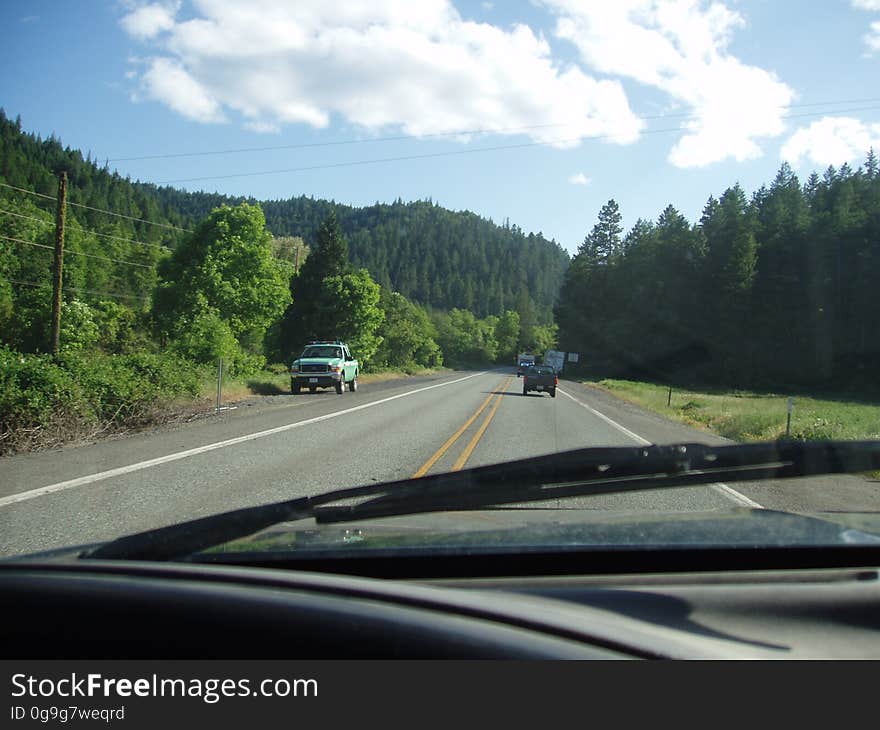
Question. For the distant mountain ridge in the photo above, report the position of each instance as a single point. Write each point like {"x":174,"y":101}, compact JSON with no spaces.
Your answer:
{"x":433,"y":256}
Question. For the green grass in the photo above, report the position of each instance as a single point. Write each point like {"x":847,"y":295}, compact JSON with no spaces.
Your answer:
{"x":747,"y":416}
{"x":48,"y":401}
{"x":275,"y":380}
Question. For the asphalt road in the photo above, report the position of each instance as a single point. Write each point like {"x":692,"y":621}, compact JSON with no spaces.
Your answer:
{"x":280,"y":447}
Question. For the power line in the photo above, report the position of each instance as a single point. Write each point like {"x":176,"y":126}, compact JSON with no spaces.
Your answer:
{"x":131,"y":218}
{"x":128,"y":240}
{"x":100,"y":210}
{"x":29,"y":192}
{"x":78,"y":253}
{"x":459,"y":133}
{"x":88,"y":230}
{"x":332,"y":143}
{"x":77,"y":289}
{"x":27,"y":217}
{"x":450,"y":153}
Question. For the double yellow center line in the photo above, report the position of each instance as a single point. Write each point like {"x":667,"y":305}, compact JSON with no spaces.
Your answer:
{"x":472,"y":444}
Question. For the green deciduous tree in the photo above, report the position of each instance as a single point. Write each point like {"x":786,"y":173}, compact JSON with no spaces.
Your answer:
{"x":202,"y":335}
{"x":350,"y":301}
{"x":79,"y":328}
{"x":224,"y":270}
{"x":408,"y":335}
{"x":464,"y":339}
{"x":507,"y":332}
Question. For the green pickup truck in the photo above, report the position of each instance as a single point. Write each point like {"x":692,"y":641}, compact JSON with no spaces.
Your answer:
{"x":324,"y":364}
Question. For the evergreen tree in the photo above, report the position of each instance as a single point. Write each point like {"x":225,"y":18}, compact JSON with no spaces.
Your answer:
{"x":731,"y":257}
{"x":604,"y":242}
{"x":311,"y":316}
{"x":872,"y":169}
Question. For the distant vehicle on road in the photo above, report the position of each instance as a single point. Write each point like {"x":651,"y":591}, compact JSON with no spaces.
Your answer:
{"x":555,"y":359}
{"x":542,"y":378}
{"x":324,"y":364}
{"x":524,"y":362}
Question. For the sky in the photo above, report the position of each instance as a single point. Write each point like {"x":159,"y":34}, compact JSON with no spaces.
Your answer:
{"x":532,"y":111}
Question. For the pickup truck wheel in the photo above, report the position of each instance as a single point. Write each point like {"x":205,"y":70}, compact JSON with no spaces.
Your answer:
{"x":353,"y":385}
{"x":340,"y":386}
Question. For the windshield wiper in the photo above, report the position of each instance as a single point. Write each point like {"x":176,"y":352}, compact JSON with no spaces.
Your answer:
{"x":582,"y":472}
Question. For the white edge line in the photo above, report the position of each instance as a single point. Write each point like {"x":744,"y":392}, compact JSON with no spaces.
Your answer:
{"x":119,"y":471}
{"x":723,"y":489}
{"x":607,"y":420}
{"x":738,"y":497}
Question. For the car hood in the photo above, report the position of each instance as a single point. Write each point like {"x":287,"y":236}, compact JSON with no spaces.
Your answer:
{"x":542,"y":529}
{"x":518,"y":530}
{"x":318,"y":360}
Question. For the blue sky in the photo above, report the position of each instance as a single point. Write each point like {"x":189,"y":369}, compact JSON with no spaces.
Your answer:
{"x":649,"y":102}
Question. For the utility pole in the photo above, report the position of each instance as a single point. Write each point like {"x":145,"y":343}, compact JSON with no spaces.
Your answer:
{"x":59,"y":261}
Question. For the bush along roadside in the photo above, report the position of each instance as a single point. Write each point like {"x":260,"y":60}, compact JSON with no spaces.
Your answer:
{"x":46,"y":401}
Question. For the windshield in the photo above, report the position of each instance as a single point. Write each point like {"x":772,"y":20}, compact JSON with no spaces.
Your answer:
{"x":256,"y":252}
{"x":322,"y":352}
{"x":540,"y":370}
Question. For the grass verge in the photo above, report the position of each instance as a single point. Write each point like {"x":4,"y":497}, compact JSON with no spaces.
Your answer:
{"x":49,"y":401}
{"x":748,"y":416}
{"x":276,"y":381}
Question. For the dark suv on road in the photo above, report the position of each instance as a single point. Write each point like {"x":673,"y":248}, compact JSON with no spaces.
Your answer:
{"x":542,"y":378}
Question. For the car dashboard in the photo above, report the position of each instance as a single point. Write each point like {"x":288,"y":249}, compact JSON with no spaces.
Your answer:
{"x":784,"y":604}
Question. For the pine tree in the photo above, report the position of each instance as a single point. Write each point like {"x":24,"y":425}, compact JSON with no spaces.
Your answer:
{"x":871,"y":166}
{"x":604,"y":241}
{"x":308,"y":318}
{"x":731,"y":257}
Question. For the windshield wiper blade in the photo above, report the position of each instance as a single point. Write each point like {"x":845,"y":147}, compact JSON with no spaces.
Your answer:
{"x":582,"y":472}
{"x":603,"y":471}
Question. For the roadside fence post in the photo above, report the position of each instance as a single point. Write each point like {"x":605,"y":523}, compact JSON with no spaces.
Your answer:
{"x":219,"y":381}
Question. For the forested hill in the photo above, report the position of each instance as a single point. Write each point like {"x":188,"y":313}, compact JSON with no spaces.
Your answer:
{"x":780,"y":290}
{"x":431,"y":255}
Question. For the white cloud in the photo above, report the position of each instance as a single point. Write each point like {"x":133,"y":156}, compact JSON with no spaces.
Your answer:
{"x":263,"y":127}
{"x":148,"y":21}
{"x":169,"y":82}
{"x":872,"y":38}
{"x":681,"y":48}
{"x":418,"y":67}
{"x":579,"y":179}
{"x":832,"y":141}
